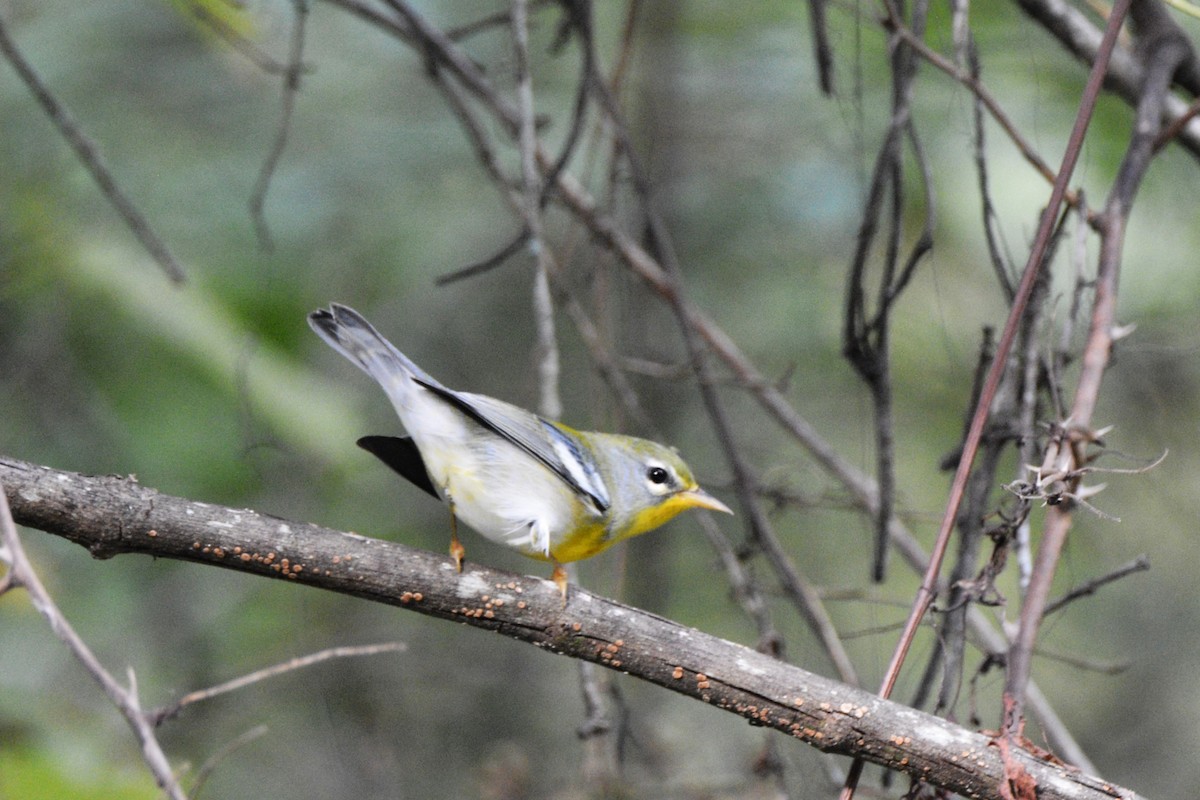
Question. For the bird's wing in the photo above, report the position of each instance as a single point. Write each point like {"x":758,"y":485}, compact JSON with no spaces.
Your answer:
{"x":558,"y":449}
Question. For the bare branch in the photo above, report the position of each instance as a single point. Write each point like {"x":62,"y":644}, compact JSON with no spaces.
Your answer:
{"x":113,"y":515}
{"x":160,"y":715}
{"x":1124,"y":73}
{"x":438,"y":47}
{"x":822,"y":50}
{"x":21,"y":573}
{"x":234,"y":38}
{"x":210,"y":764}
{"x":866,"y":333}
{"x":549,"y":399}
{"x":89,"y":155}
{"x":291,"y":86}
{"x":1139,"y":564}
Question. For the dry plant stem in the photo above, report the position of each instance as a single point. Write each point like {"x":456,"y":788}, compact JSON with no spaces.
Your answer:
{"x":745,"y":589}
{"x":436,"y":45}
{"x":212,"y":762}
{"x":160,"y":715}
{"x":773,"y":401}
{"x":1177,"y":125}
{"x":112,"y":515}
{"x":822,"y":50}
{"x":953,"y":639}
{"x":974,"y":434}
{"x":1166,"y":51}
{"x":612,"y":236}
{"x":230,"y":35}
{"x":1139,"y":564}
{"x":89,"y":155}
{"x":929,"y":583}
{"x":867,"y":332}
{"x":989,"y":220}
{"x":577,"y":17}
{"x":291,"y":86}
{"x":1026,"y":417}
{"x":1125,"y":76}
{"x":795,"y":585}
{"x":971,"y":80}
{"x":371,"y":14}
{"x":549,"y":403}
{"x":21,"y":574}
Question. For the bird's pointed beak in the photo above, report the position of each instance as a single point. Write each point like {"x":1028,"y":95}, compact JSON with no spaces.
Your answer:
{"x":698,"y":498}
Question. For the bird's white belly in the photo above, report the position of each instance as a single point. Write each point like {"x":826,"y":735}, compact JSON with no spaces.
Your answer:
{"x":502,"y":493}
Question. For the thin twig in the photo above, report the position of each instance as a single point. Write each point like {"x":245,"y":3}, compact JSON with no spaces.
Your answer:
{"x":1177,"y":125}
{"x":1125,"y":74}
{"x":1139,"y":564}
{"x":227,"y":33}
{"x":369,"y":13}
{"x":578,"y":18}
{"x":126,"y":700}
{"x":550,"y":401}
{"x":822,"y":50}
{"x":89,"y":155}
{"x":212,"y":762}
{"x":487,"y":264}
{"x":991,"y":231}
{"x":287,"y":106}
{"x":867,"y":334}
{"x":746,"y":590}
{"x":439,"y":47}
{"x":160,"y":715}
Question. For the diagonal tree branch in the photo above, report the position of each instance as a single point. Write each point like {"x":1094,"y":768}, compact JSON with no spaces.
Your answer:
{"x":89,"y":155}
{"x":126,"y":699}
{"x":1125,"y":75}
{"x":114,"y":515}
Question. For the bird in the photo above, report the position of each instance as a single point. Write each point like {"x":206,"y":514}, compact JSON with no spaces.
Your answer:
{"x":549,"y":491}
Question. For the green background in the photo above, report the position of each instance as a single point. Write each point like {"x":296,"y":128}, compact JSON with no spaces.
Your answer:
{"x":217,"y":390}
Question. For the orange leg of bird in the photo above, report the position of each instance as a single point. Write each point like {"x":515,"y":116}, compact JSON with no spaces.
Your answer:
{"x":559,"y":576}
{"x":457,"y":551}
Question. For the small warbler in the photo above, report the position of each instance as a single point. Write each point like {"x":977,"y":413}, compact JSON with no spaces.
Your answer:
{"x":549,"y":491}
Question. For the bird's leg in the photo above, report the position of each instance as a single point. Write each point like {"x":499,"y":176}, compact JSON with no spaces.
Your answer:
{"x":559,"y":576}
{"x":457,"y":551}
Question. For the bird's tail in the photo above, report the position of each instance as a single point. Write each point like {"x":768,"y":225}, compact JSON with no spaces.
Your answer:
{"x":348,"y":332}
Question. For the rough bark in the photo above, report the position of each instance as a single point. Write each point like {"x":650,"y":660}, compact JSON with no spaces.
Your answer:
{"x":111,"y":515}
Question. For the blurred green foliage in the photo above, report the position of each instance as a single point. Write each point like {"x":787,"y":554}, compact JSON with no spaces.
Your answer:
{"x":41,"y":775}
{"x":217,"y":391}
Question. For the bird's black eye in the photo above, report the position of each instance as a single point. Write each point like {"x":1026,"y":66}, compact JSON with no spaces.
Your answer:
{"x":657,"y":475}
